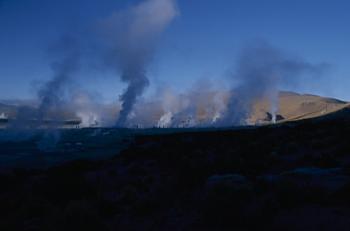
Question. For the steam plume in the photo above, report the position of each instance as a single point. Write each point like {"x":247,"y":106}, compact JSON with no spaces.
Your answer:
{"x":135,"y":32}
{"x":51,"y":94}
{"x":65,"y":65}
{"x":199,"y":107}
{"x":261,"y":70}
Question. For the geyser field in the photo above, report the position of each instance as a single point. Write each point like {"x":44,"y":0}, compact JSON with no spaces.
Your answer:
{"x":293,"y":174}
{"x":174,"y":115}
{"x":125,"y":43}
{"x":267,"y":175}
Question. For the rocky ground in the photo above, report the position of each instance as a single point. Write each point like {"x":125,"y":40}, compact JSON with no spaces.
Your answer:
{"x":292,"y":176}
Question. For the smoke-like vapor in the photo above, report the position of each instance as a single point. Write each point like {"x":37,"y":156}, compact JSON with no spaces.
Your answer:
{"x":49,"y":111}
{"x":65,"y":65}
{"x":261,"y":70}
{"x":134,"y":33}
{"x":199,"y":107}
{"x":51,"y":94}
{"x":91,"y":110}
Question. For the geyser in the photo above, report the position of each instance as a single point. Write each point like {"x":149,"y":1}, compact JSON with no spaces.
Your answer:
{"x":261,"y":70}
{"x":135,"y":32}
{"x":66,"y":63}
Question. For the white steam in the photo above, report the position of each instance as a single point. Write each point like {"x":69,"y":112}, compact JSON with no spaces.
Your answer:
{"x":134,"y":35}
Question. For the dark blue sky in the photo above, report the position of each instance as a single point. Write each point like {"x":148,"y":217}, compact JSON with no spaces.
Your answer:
{"x":203,"y":41}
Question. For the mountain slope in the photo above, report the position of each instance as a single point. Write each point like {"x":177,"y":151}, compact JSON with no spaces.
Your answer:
{"x":293,"y":106}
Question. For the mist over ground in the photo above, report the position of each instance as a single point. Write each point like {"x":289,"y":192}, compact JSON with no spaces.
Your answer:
{"x":125,"y":42}
{"x":174,"y":115}
{"x":260,"y":72}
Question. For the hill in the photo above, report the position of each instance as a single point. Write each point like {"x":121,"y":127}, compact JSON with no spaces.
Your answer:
{"x":293,"y":106}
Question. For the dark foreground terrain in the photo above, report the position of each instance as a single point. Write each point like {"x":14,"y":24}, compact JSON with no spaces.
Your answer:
{"x":293,"y":176}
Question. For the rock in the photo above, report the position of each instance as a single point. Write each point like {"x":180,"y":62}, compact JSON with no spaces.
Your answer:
{"x":331,"y":179}
{"x":312,"y":172}
{"x":235,"y":181}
